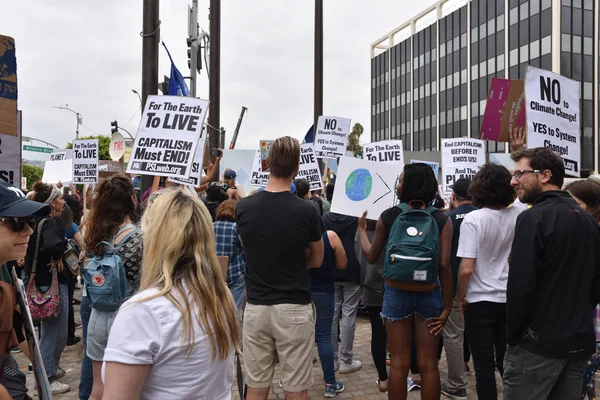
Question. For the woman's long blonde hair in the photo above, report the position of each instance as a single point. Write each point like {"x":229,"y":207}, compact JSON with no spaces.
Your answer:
{"x":180,"y":259}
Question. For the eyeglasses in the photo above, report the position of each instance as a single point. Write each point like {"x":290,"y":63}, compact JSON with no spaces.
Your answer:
{"x":221,"y":185}
{"x":518,"y":174}
{"x":18,"y":224}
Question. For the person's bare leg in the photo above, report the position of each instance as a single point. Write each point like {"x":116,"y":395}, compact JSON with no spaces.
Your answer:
{"x":400,"y":335}
{"x":427,"y":348}
{"x":296,"y":395}
{"x":257,"y":394}
{"x":98,"y":386}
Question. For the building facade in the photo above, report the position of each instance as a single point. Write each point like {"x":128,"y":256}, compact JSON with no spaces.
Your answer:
{"x":430,"y":76}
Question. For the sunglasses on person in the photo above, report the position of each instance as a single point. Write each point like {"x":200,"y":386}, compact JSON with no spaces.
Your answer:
{"x":17,"y":224}
{"x":518,"y":174}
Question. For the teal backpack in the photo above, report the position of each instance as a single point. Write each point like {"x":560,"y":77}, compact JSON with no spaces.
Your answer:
{"x":413,"y":247}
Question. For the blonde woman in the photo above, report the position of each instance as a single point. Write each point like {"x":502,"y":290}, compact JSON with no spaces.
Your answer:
{"x":177,"y":337}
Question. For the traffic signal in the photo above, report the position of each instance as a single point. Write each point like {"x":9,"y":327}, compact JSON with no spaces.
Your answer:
{"x":164,"y":85}
{"x":114,"y":127}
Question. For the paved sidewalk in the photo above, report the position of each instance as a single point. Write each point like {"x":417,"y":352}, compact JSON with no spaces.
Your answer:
{"x":359,"y":385}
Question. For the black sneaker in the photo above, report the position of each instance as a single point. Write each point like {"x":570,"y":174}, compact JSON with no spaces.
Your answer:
{"x":460,"y":394}
{"x":73,"y":341}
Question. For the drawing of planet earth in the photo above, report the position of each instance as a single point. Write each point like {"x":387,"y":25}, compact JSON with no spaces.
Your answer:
{"x":359,"y":184}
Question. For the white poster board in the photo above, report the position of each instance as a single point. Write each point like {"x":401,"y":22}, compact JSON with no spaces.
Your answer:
{"x":332,"y":137}
{"x":258,"y":178}
{"x":241,"y":161}
{"x":196,"y":172}
{"x":553,"y":118}
{"x":168,"y":136}
{"x":59,"y":168}
{"x":309,"y":167}
{"x":461,"y":158}
{"x":388,"y":151}
{"x":10,"y":156}
{"x":435,"y":167}
{"x":364,"y":185}
{"x":85,"y":161}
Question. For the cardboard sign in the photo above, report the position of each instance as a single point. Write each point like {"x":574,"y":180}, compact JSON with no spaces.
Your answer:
{"x":553,"y":119}
{"x":37,"y":362}
{"x":332,"y":137}
{"x":10,"y":157}
{"x":461,"y":158}
{"x":196,"y":172}
{"x":8,"y":86}
{"x":258,"y":177}
{"x":388,"y":151}
{"x":265,"y":146}
{"x":309,"y":167}
{"x":504,"y":110}
{"x":434,"y":166}
{"x":85,"y":161}
{"x":364,"y":185}
{"x":169,"y":133}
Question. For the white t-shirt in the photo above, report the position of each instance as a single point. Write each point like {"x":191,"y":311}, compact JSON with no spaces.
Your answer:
{"x":150,"y":332}
{"x":487,"y":235}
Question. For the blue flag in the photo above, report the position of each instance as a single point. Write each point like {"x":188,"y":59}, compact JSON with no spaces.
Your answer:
{"x":177,"y":85}
{"x":310,"y":135}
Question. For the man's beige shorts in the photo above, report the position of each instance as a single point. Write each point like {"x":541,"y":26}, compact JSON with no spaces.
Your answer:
{"x":285,"y":332}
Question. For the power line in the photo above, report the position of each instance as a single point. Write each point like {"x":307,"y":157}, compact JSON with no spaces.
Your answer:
{"x":134,"y":114}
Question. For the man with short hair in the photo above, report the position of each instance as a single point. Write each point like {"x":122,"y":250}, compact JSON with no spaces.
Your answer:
{"x":302,"y":188}
{"x":281,"y":234}
{"x":553,"y":284}
{"x":453,"y":334}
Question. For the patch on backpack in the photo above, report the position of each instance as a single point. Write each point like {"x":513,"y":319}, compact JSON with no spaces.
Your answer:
{"x":98,"y":279}
{"x":412,"y":231}
{"x":420,"y":275}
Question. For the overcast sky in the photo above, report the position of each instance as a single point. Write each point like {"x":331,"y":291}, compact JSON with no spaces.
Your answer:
{"x":89,"y":55}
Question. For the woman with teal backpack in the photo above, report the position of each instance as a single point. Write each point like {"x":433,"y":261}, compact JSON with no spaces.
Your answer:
{"x":413,"y":309}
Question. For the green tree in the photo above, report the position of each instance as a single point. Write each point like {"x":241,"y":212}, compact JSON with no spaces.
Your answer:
{"x":32,"y":173}
{"x":354,"y":139}
{"x":103,"y":144}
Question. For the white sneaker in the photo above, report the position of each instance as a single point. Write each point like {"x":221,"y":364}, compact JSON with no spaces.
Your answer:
{"x":57,"y":388}
{"x":346,"y":368}
{"x":411,"y":385}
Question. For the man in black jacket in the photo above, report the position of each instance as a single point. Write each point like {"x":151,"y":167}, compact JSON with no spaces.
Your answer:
{"x":553,"y":285}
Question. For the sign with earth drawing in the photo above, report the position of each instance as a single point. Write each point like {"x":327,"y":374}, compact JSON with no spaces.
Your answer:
{"x":364,"y":185}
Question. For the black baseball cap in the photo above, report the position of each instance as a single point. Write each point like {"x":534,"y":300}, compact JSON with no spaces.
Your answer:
{"x":14,"y":204}
{"x":461,"y":188}
{"x":229,"y":174}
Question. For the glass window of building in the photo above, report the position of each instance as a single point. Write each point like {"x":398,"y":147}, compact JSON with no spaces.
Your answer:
{"x":588,"y":46}
{"x":474,"y":72}
{"x":565,"y":43}
{"x":546,"y":45}
{"x":513,"y":16}
{"x":523,"y":11}
{"x":546,"y":4}
{"x":576,"y":44}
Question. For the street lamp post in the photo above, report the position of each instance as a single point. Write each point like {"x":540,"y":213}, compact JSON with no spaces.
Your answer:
{"x":79,"y":118}
{"x":138,"y":95}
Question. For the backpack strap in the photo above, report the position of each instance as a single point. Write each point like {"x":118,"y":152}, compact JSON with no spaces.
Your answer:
{"x":403,"y":207}
{"x":430,"y":210}
{"x":134,"y":229}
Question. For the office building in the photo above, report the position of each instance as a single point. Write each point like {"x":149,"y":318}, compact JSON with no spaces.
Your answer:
{"x":431,"y":75}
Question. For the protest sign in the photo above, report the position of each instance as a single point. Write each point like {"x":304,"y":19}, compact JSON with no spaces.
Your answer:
{"x":504,"y":109}
{"x":39,"y":371}
{"x":241,"y":161}
{"x":258,"y":177}
{"x":434,"y":166}
{"x":461,"y":158}
{"x":196,"y":171}
{"x":388,"y":151}
{"x":364,"y":185}
{"x":85,"y":161}
{"x":332,"y":137}
{"x":8,"y":87}
{"x":553,"y":119}
{"x":309,"y":167}
{"x":10,"y":156}
{"x":59,"y":168}
{"x":265,"y":146}
{"x":168,"y":136}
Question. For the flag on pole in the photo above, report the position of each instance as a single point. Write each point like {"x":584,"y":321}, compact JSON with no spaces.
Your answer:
{"x":177,"y":85}
{"x":310,"y":135}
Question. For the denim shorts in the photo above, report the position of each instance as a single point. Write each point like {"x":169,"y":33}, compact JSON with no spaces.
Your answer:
{"x":400,"y":304}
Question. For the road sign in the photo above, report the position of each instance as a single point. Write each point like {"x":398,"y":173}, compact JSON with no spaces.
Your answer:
{"x":38,"y":149}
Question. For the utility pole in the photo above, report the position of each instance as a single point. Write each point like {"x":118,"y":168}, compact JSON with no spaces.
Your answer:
{"x":318,"y":61}
{"x":214,"y":120}
{"x":237,"y":129}
{"x":193,"y":45}
{"x":150,"y":39}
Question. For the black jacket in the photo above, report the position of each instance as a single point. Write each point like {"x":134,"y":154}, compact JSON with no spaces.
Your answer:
{"x":345,"y":226}
{"x":554,"y":279}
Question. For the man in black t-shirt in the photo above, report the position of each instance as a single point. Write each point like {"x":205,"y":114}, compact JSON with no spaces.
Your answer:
{"x":281,"y":234}
{"x":453,"y":334}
